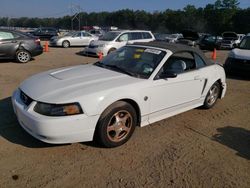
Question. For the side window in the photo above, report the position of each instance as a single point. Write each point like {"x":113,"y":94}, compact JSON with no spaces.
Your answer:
{"x":199,"y":61}
{"x":146,"y":35}
{"x":178,"y":63}
{"x":136,"y":36}
{"x":124,"y":37}
{"x":86,"y":35}
{"x":6,"y":35}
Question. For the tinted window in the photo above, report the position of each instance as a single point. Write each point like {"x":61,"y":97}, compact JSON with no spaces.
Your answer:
{"x":6,"y":35}
{"x":136,"y":36}
{"x":146,"y":35}
{"x":109,"y":36}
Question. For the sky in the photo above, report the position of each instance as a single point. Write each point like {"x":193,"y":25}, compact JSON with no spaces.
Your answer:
{"x":59,"y":8}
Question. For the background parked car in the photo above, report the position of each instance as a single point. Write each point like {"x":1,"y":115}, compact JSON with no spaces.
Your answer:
{"x":173,"y":38}
{"x":238,"y":60}
{"x":18,"y":45}
{"x":190,"y":38}
{"x":230,"y":39}
{"x":114,"y":40}
{"x":75,"y":38}
{"x":161,"y":36}
{"x":97,"y":32}
{"x":210,"y":42}
{"x":45,"y":33}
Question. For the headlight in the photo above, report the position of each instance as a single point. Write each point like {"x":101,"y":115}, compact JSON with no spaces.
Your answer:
{"x":58,"y":109}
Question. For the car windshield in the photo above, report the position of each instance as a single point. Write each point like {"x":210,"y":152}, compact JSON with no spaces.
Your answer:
{"x":245,"y":44}
{"x":109,"y":36}
{"x":134,"y":61}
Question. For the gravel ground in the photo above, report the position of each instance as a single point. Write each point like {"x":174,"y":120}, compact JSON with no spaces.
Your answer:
{"x":199,"y":148}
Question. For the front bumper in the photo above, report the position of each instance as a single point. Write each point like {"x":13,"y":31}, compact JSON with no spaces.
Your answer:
{"x":37,"y":51}
{"x":54,"y":130}
{"x":239,"y":66}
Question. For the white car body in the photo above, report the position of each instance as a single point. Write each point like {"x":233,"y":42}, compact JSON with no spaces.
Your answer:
{"x":81,"y":38}
{"x":104,"y":47}
{"x":96,"y":88}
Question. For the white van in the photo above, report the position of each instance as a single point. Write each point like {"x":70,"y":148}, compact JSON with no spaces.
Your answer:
{"x":114,"y":40}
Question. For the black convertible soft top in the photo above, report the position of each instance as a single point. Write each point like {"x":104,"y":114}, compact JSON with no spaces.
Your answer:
{"x":174,"y":48}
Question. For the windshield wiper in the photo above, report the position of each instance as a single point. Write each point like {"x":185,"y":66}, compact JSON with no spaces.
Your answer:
{"x":114,"y":67}
{"x":120,"y":69}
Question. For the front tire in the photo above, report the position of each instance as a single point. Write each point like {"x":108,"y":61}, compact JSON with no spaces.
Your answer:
{"x":212,"y":96}
{"x":65,"y":44}
{"x":116,"y":125}
{"x":23,"y":56}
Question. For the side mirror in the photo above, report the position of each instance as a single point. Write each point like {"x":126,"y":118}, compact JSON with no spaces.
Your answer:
{"x":168,"y":74}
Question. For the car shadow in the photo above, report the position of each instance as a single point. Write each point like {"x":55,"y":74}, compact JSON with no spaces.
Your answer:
{"x":81,"y":53}
{"x":238,"y":77}
{"x":13,"y":132}
{"x":14,"y":61}
{"x":235,"y":138}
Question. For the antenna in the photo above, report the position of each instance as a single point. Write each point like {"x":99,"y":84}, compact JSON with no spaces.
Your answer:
{"x":75,"y":11}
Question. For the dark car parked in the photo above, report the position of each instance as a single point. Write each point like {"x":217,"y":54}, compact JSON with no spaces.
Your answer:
{"x":238,"y":61}
{"x":210,"y":42}
{"x":45,"y":33}
{"x":190,"y":38}
{"x":18,"y":45}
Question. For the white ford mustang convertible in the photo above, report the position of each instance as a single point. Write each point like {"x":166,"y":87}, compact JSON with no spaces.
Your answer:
{"x":136,"y":85}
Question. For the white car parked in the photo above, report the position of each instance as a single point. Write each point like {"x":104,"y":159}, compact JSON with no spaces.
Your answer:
{"x":74,"y":38}
{"x":135,"y":86}
{"x":238,"y":61}
{"x":114,"y":40}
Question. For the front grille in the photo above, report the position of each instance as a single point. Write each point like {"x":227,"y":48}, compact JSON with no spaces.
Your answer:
{"x":25,"y":98}
{"x":241,"y":61}
{"x":227,"y":42}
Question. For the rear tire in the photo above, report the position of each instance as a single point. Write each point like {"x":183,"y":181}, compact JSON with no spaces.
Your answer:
{"x":116,"y":124}
{"x":23,"y":56}
{"x":212,"y":96}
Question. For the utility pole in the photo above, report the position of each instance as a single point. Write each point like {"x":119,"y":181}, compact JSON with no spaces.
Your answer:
{"x":76,"y":15}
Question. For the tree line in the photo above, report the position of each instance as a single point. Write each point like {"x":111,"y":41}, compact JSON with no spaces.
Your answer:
{"x":223,"y":15}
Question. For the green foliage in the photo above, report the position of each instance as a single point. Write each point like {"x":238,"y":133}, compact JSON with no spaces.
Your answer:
{"x":214,"y":18}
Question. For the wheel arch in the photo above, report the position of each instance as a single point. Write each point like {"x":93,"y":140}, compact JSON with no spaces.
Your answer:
{"x":132,"y":102}
{"x":66,"y":40}
{"x":221,"y":87}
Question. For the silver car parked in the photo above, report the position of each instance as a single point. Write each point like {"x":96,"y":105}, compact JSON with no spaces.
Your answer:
{"x":74,"y":38}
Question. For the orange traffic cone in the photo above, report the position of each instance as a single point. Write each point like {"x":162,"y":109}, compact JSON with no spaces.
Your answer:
{"x":100,"y":55}
{"x":214,"y":54}
{"x":46,"y":47}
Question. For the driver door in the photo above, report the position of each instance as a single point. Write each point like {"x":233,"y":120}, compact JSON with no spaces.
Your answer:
{"x":170,"y":94}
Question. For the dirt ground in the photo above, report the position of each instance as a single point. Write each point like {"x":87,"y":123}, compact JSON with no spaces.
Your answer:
{"x":199,"y":148}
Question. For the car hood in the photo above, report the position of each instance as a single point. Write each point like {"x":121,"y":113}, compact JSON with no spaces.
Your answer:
{"x":67,"y":84}
{"x":241,"y":54}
